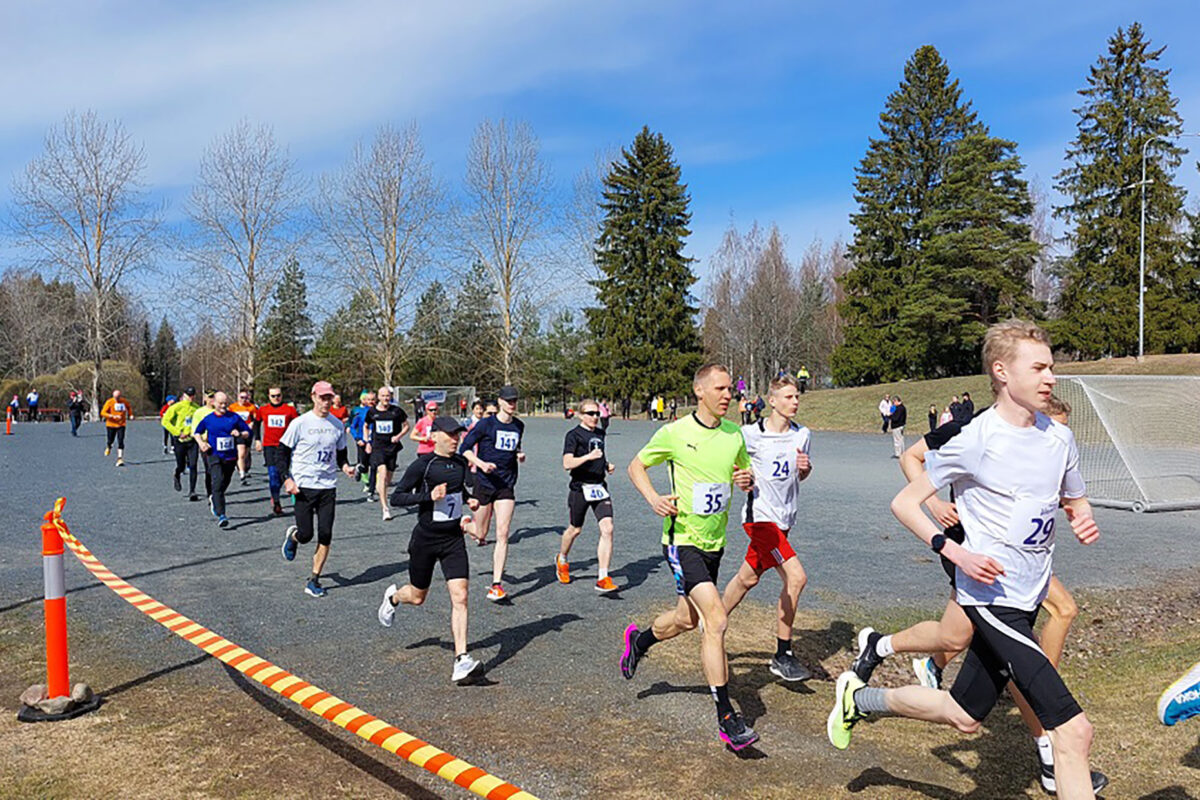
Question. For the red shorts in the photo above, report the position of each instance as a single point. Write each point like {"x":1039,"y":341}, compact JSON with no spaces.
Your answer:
{"x":769,"y":546}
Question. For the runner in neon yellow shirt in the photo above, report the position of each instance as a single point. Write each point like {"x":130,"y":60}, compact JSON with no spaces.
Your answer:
{"x":706,"y":457}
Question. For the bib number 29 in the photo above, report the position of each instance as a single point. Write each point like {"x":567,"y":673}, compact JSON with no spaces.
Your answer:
{"x":1043,"y":529}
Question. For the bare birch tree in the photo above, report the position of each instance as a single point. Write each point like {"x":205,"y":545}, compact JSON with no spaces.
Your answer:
{"x":245,"y":194}
{"x":81,"y":208}
{"x":377,"y":217}
{"x":509,"y":207}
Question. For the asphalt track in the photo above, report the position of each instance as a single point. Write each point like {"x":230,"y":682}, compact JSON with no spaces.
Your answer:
{"x":551,"y":644}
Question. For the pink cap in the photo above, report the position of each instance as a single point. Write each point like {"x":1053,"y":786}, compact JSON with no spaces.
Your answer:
{"x":321,"y":388}
{"x":431,"y":406}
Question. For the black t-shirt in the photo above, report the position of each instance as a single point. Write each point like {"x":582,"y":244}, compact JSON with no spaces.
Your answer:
{"x":579,"y":441}
{"x":418,"y":482}
{"x":384,"y":425}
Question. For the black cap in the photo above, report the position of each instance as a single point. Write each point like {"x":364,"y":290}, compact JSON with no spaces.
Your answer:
{"x":509,"y":393}
{"x":190,"y":391}
{"x":447,"y":425}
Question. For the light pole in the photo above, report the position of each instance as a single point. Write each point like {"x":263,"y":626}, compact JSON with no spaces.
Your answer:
{"x":1142,"y":247}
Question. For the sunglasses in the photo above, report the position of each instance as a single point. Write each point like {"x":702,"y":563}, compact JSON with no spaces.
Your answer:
{"x":590,"y":413}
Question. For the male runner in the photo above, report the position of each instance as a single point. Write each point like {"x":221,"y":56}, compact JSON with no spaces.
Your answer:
{"x":177,"y":421}
{"x":422,"y":430}
{"x":115,"y":413}
{"x":358,"y":419}
{"x":704,"y":453}
{"x":339,"y":411}
{"x":76,"y":409}
{"x":384,"y":428}
{"x":1010,"y":468}
{"x":494,"y":447}
{"x":585,"y":459}
{"x":439,"y":484}
{"x":168,"y":402}
{"x":217,"y":435}
{"x":245,"y":409}
{"x":273,"y":421}
{"x":311,"y":451}
{"x":778,"y":450}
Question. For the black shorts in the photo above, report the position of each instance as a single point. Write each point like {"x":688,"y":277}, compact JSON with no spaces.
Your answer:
{"x":384,"y":457}
{"x":270,"y":454}
{"x":1003,"y":649}
{"x":692,"y":566}
{"x":321,"y":503}
{"x":956,"y":534}
{"x":486,"y":495}
{"x":577,"y":508}
{"x":117,"y":434}
{"x":426,"y":549}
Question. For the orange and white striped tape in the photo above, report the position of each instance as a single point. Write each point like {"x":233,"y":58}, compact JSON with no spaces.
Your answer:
{"x":299,"y":691}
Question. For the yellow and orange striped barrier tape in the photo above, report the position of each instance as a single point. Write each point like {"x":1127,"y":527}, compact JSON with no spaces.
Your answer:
{"x":299,"y":691}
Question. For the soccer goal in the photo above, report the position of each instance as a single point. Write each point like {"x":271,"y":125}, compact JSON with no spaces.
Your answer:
{"x":1138,"y":437}
{"x":449,"y":398}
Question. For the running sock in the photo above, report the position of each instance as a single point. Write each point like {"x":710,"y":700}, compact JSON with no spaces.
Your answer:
{"x":782,"y":647}
{"x":721,"y":698}
{"x":645,"y":640}
{"x":603,"y":574}
{"x":883,"y":647}
{"x":1045,"y":750}
{"x":314,"y":577}
{"x":870,"y":700}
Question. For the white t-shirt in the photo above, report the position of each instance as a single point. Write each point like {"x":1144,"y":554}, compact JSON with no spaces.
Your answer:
{"x":1007,"y":484}
{"x":885,"y":407}
{"x":776,"y":480}
{"x":314,"y":442}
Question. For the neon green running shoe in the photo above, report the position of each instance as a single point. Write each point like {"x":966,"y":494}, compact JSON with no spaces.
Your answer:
{"x":844,"y":713}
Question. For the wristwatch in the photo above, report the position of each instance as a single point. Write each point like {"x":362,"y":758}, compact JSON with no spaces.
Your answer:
{"x":937,"y":542}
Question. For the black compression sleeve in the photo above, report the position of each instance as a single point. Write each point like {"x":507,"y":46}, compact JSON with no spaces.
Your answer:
{"x":284,"y":459}
{"x":342,"y":458}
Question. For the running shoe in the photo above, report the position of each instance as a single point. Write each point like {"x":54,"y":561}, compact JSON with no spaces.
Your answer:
{"x":496,"y":593}
{"x":605,"y":584}
{"x":734,"y":732}
{"x":928,"y":673}
{"x":289,"y":544}
{"x":212,"y":509}
{"x":845,"y":713}
{"x":108,"y":451}
{"x":464,"y":667}
{"x":120,"y":462}
{"x":372,"y":498}
{"x":868,"y":657}
{"x":387,"y":611}
{"x":387,"y":514}
{"x":165,"y":450}
{"x":562,"y":569}
{"x":1050,"y":786}
{"x":631,"y":656}
{"x":366,"y":488}
{"x":276,"y":508}
{"x":314,"y":589}
{"x":222,"y":521}
{"x":178,"y":483}
{"x":194,"y":498}
{"x":789,"y":668}
{"x":1181,"y":699}
{"x":245,"y":480}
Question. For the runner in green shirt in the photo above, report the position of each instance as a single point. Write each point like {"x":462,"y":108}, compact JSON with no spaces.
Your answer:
{"x":706,"y":457}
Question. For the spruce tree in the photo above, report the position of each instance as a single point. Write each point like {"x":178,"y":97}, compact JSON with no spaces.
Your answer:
{"x":1127,"y":105}
{"x":644,"y":336}
{"x":475,"y":331}
{"x":287,"y":335}
{"x":167,"y":362}
{"x":147,"y":366}
{"x":427,"y":360}
{"x":341,"y":351}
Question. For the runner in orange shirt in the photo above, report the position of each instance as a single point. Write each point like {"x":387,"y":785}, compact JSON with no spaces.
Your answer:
{"x":245,"y":408}
{"x":115,"y":413}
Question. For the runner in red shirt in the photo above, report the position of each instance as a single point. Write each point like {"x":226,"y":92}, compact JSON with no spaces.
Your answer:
{"x":273,"y":420}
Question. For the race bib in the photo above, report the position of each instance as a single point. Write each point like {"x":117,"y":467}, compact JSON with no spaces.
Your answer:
{"x":119,"y":407}
{"x":594,"y":492}
{"x":245,"y":415}
{"x":448,"y":508}
{"x":383,"y":426}
{"x":781,"y":466}
{"x":507,"y":440}
{"x":224,"y":444}
{"x":324,"y":456}
{"x":276,"y":420}
{"x":1031,"y":526}
{"x":710,"y":498}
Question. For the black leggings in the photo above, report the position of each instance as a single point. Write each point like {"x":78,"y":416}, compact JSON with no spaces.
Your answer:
{"x":186,"y":454}
{"x":319,"y":502}
{"x":222,"y":473}
{"x":118,"y":434}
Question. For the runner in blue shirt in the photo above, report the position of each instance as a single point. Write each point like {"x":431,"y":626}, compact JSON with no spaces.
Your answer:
{"x":223,"y":429}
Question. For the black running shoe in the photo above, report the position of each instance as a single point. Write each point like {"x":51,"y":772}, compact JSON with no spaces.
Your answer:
{"x":789,"y":668}
{"x":868,"y":658}
{"x":1050,"y":786}
{"x":178,"y":485}
{"x":631,"y":656}
{"x":734,"y":732}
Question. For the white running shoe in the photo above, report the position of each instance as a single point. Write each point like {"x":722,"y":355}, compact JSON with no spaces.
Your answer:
{"x":927,"y":672}
{"x":387,"y":611}
{"x":387,"y":514}
{"x":464,"y":667}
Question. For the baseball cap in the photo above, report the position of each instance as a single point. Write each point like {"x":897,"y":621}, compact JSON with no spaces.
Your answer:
{"x":190,"y":391}
{"x":431,"y":406}
{"x":509,"y":393}
{"x":447,"y":425}
{"x":321,"y":388}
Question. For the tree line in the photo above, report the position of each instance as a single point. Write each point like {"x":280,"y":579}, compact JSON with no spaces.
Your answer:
{"x":377,"y":272}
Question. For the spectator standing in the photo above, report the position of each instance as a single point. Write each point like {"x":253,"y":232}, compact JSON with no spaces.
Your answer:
{"x":946,"y":416}
{"x":955,"y":408}
{"x":673,"y":407}
{"x":885,"y":411}
{"x":605,"y":414}
{"x":898,"y":419}
{"x":741,"y":386}
{"x":968,"y":407}
{"x":625,"y":404}
{"x":32,"y":400}
{"x":933,"y":416}
{"x":75,"y":409}
{"x":802,"y":378}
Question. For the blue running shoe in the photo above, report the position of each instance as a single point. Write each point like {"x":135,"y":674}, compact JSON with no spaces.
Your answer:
{"x":314,"y":589}
{"x":289,"y":544}
{"x":222,"y":521}
{"x":1181,"y":699}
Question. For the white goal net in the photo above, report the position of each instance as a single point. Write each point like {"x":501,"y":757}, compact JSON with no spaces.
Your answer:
{"x":1138,"y":437}
{"x":450,"y":399}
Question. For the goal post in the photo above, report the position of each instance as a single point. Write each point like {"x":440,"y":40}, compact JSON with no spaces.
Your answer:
{"x":449,"y":398}
{"x":1138,"y":438}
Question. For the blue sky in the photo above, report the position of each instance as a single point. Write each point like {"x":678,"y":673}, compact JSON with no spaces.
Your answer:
{"x":769,"y":105}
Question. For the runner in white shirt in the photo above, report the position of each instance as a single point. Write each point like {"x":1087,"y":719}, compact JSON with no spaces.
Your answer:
{"x":778,"y":450}
{"x":1010,"y":469}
